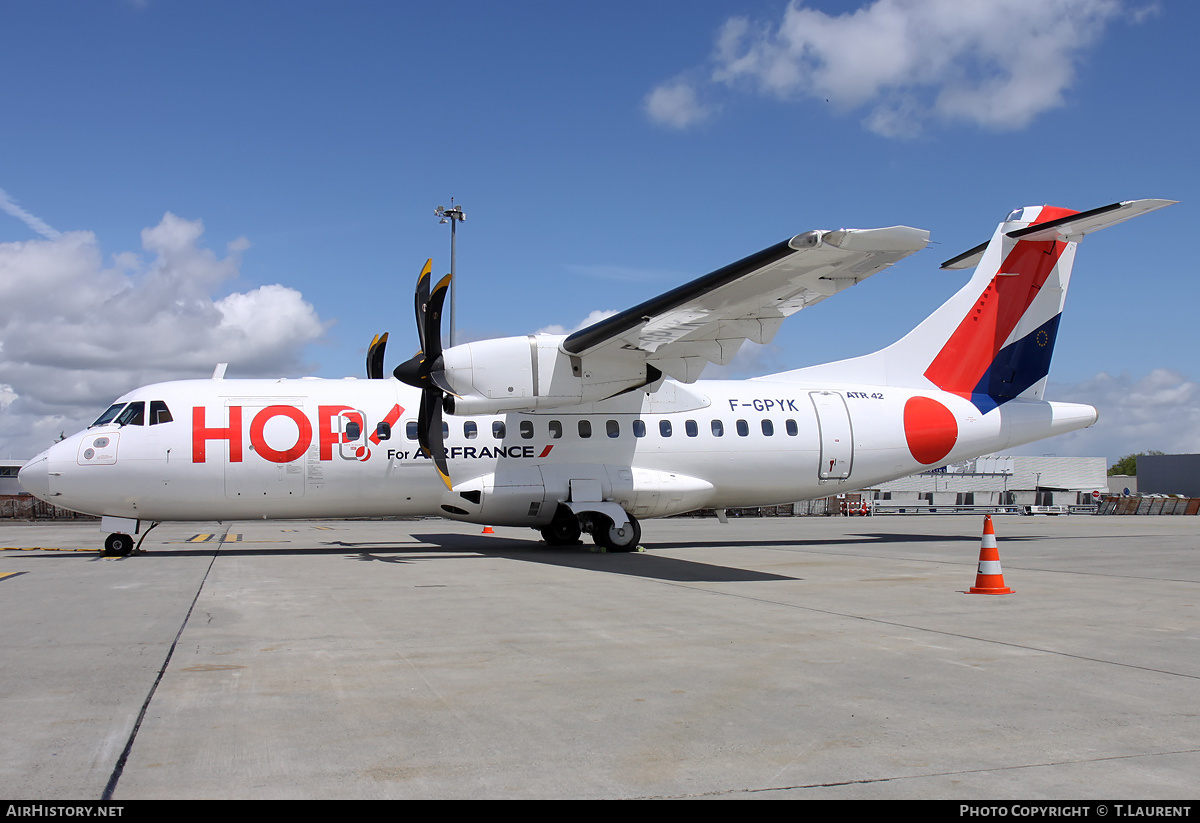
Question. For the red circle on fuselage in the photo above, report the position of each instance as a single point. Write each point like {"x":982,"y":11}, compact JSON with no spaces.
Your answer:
{"x":930,"y":429}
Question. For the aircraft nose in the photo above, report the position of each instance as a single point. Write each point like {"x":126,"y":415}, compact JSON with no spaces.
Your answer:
{"x":34,"y":476}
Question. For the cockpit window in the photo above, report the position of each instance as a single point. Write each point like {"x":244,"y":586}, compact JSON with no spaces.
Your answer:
{"x":159,"y":413}
{"x":134,"y":414}
{"x":109,"y":414}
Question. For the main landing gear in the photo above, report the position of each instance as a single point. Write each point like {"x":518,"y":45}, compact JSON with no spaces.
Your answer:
{"x":567,"y":527}
{"x":614,"y":538}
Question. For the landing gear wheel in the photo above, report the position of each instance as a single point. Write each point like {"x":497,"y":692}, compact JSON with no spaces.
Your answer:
{"x":563,"y":530}
{"x":118,"y":545}
{"x":612,"y":538}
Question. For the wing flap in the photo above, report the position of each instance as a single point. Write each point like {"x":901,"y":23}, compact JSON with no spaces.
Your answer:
{"x":707,"y":320}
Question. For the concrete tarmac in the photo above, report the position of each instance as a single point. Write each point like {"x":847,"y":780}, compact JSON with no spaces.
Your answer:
{"x":766,"y":658}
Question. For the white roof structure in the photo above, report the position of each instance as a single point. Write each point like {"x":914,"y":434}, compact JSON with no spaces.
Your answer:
{"x":1009,"y":473}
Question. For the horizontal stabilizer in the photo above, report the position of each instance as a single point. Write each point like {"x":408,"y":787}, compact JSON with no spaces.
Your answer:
{"x":1069,"y":228}
{"x":1076,"y":226}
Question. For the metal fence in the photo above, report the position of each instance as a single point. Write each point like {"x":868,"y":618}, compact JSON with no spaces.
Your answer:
{"x":1150,"y":505}
{"x":26,"y":507}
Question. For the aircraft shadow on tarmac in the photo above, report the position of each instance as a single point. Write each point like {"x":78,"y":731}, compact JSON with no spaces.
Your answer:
{"x":636,"y":564}
{"x":444,"y":546}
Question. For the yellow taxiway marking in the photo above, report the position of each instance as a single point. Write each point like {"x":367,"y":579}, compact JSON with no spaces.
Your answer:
{"x":42,"y":549}
{"x":229,"y":538}
{"x":9,"y":574}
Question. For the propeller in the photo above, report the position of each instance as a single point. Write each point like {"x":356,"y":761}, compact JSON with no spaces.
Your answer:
{"x":375,"y":357}
{"x":426,"y":372}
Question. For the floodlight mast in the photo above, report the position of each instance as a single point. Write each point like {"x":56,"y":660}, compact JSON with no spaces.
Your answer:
{"x":453,"y":215}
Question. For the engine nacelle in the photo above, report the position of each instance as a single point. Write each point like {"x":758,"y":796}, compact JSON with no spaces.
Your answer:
{"x":511,"y":374}
{"x":529,"y":495}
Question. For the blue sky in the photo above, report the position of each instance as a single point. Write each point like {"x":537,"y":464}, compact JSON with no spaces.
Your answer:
{"x":603,"y":153}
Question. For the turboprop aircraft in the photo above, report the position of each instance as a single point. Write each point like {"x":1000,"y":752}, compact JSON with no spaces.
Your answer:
{"x":599,"y":430}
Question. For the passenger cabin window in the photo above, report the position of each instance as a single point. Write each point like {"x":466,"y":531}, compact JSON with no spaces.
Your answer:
{"x":690,"y":428}
{"x":585,"y":428}
{"x":133,"y":415}
{"x":664,"y":428}
{"x":556,"y":429}
{"x":791,"y":428}
{"x":470,"y":430}
{"x":613,"y":428}
{"x":639,"y":428}
{"x":410,"y":430}
{"x":526,"y":429}
{"x":159,"y":413}
{"x":768,"y":428}
{"x":718,"y":428}
{"x":498,"y":429}
{"x":743,"y":428}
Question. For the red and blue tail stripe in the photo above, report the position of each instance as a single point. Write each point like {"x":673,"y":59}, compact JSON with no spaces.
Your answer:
{"x":979,"y":361}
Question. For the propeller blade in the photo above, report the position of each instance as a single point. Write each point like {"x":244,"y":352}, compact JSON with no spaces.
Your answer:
{"x":422,"y":299}
{"x":437,"y":376}
{"x":426,"y":372}
{"x":432,"y":336}
{"x":375,"y":357}
{"x":434,"y":434}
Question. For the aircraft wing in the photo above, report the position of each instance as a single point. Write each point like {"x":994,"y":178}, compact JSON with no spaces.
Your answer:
{"x":707,"y":320}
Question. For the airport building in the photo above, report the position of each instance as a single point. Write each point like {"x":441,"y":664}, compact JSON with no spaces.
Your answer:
{"x":1064,"y":483}
{"x":8,"y":477}
{"x":1173,"y":474}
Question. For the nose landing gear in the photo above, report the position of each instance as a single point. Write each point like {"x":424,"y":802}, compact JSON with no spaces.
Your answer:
{"x":118,"y":545}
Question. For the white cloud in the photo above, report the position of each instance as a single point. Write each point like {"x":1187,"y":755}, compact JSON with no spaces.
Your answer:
{"x":1160,"y":410}
{"x":10,"y":206}
{"x":593,"y":317}
{"x":909,"y":63}
{"x":751,"y":360}
{"x":77,"y":333}
{"x":675,"y":103}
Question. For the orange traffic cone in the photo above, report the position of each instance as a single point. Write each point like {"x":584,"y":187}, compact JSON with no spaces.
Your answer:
{"x":488,"y":530}
{"x":990,"y":579}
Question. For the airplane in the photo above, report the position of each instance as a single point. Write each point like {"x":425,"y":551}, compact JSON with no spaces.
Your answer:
{"x":596,"y":431}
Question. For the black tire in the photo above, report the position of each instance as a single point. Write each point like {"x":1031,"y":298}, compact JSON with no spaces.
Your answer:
{"x":613,"y":539}
{"x":118,"y":545}
{"x":563,"y":530}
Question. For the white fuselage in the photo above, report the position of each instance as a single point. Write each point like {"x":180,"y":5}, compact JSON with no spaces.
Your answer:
{"x":249,"y":449}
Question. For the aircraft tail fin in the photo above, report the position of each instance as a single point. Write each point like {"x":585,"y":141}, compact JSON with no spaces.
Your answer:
{"x":992,"y":341}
